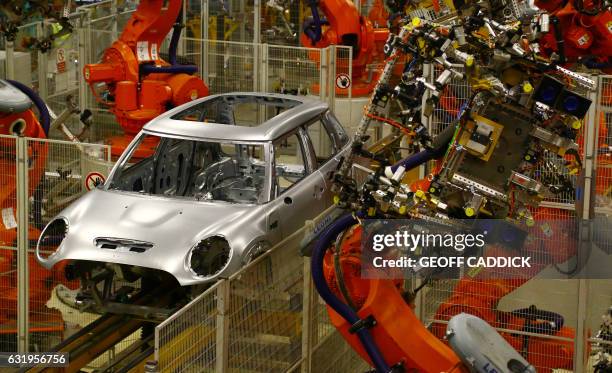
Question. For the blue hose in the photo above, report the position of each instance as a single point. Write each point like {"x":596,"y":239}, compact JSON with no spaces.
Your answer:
{"x":312,"y":27}
{"x":174,"y":67}
{"x":440,"y":144}
{"x":318,"y":253}
{"x":596,"y":65}
{"x":415,"y":160}
{"x":45,"y":117}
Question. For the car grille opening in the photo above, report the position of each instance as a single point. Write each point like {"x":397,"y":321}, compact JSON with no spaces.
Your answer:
{"x":123,"y":244}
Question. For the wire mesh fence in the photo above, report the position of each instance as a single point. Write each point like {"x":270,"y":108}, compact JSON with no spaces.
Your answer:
{"x":224,"y":64}
{"x":603,"y":161}
{"x":507,"y":304}
{"x":264,"y":309}
{"x":8,"y":244}
{"x":599,"y":297}
{"x":265,"y":313}
{"x":61,"y":172}
{"x":452,"y":100}
{"x":255,"y":322}
{"x":41,"y":177}
{"x":293,"y":70}
{"x":188,"y":340}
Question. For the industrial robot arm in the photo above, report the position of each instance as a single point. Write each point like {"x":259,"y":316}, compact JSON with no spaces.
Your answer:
{"x":377,"y":320}
{"x":137,"y":83}
{"x":515,"y":92}
{"x":341,"y":24}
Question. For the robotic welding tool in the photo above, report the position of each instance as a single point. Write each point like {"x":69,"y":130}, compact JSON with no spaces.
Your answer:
{"x":513,"y":144}
{"x":522,"y":117}
{"x":395,"y":47}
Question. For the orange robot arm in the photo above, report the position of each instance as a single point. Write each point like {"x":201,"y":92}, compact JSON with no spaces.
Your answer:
{"x":139,"y":84}
{"x":343,"y":25}
{"x":376,"y":320}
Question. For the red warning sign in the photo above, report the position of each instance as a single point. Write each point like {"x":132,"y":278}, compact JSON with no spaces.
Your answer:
{"x":343,"y":81}
{"x":61,"y":60}
{"x":93,"y":179}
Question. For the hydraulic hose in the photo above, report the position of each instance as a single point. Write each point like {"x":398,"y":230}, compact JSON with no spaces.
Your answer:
{"x":318,"y":253}
{"x":437,"y":150}
{"x":45,"y":117}
{"x":174,"y":68}
{"x":596,"y":65}
{"x":312,"y":27}
{"x":176,"y":35}
{"x":553,"y":321}
{"x":414,"y":160}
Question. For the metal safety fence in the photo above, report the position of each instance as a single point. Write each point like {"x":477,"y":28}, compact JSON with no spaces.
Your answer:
{"x":279,"y":308}
{"x":228,"y":66}
{"x":265,"y":318}
{"x":39,"y":177}
{"x":225,"y":64}
{"x":581,"y":303}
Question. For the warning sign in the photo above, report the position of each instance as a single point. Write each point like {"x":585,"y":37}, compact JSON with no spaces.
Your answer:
{"x":8,"y":218}
{"x":61,"y":60}
{"x":142,"y":51}
{"x":154,"y":53}
{"x":343,"y":81}
{"x":93,"y":179}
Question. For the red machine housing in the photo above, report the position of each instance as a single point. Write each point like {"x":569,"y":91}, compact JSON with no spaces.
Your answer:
{"x":586,"y":32}
{"x":345,"y":26}
{"x":135,"y":97}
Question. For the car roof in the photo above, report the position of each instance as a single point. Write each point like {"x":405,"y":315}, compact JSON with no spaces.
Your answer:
{"x":301,"y":109}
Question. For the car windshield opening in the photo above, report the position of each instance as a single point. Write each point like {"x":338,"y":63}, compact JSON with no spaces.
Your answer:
{"x":205,"y":170}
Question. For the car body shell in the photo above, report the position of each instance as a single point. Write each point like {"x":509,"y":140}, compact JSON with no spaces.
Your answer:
{"x":173,"y":226}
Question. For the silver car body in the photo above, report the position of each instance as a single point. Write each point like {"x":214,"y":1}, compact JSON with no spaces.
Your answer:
{"x":165,"y":229}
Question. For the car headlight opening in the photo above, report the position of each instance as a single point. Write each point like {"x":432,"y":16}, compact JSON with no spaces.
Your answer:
{"x":209,"y":256}
{"x":51,"y":237}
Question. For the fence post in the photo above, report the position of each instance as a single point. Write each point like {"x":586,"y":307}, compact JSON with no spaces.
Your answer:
{"x":115,"y":26}
{"x":43,"y":64}
{"x":257,"y":57}
{"x":84,"y":42}
{"x":156,"y":345}
{"x":222,"y":337}
{"x":307,"y":319}
{"x":350,"y":90}
{"x":9,"y":61}
{"x":580,"y":345}
{"x":332,"y":73}
{"x":260,"y":77}
{"x":204,"y":40}
{"x":22,"y":244}
{"x":182,"y":47}
{"x":256,"y":21}
{"x":263,"y":76}
{"x":585,"y":229}
{"x":323,"y":74}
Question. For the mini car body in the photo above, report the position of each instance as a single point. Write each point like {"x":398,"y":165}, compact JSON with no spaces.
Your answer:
{"x":201,"y":190}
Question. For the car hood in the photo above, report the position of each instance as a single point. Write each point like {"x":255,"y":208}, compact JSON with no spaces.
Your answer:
{"x":172,"y":225}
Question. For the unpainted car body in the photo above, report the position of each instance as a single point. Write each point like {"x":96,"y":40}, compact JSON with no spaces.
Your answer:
{"x":232,"y":175}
